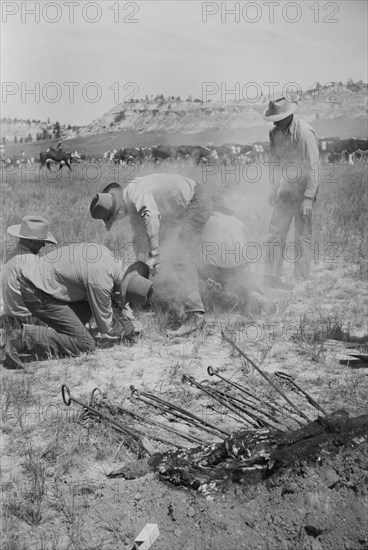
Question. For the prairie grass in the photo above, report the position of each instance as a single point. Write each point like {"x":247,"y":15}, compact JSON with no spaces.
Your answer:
{"x":341,"y":217}
{"x":27,"y":500}
{"x":64,"y":198}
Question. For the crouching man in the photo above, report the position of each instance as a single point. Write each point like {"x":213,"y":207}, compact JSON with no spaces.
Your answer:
{"x":224,"y":262}
{"x":84,"y":280}
{"x":156,"y":204}
{"x":33,"y":235}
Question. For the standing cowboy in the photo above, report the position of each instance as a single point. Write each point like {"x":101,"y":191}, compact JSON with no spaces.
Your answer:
{"x":294,"y":150}
{"x":155,"y":203}
{"x":66,"y":290}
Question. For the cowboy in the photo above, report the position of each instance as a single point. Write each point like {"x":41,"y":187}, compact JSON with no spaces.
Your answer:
{"x":294,"y":148}
{"x":33,"y":234}
{"x":65,"y":289}
{"x":155,"y":204}
{"x":224,"y":263}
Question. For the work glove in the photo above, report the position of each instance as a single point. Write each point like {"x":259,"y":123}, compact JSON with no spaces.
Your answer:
{"x":125,"y":327}
{"x":153,"y":261}
{"x":307,"y":206}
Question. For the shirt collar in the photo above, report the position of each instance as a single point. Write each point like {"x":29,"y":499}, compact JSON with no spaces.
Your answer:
{"x":21,"y":247}
{"x":290,"y":129}
{"x":293,"y":124}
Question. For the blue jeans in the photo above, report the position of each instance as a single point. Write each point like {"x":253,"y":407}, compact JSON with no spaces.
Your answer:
{"x":188,"y":246}
{"x":299,"y":252}
{"x":64,"y":333}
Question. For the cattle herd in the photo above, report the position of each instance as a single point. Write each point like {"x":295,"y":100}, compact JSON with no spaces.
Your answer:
{"x":332,"y":150}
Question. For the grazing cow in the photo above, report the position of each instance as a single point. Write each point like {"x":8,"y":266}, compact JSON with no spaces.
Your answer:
{"x":339,"y":157}
{"x":345,"y":150}
{"x":160,"y":153}
{"x":359,"y":149}
{"x":258,"y":151}
{"x":132,"y":155}
{"x":57,"y":157}
{"x":228,"y":154}
{"x":202,"y":155}
{"x":336,"y":149}
{"x":361,"y":155}
{"x":184,"y":152}
{"x":108,"y":156}
{"x":326,"y":147}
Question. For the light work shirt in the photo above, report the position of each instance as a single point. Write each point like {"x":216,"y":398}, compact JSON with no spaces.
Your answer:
{"x":155,"y":198}
{"x":76,"y":272}
{"x":296,"y":145}
{"x":11,"y":271}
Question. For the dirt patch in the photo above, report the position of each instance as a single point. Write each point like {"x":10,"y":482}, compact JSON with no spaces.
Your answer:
{"x":56,"y":493}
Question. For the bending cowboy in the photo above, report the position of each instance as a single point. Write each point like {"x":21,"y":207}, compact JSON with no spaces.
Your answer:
{"x":155,"y":204}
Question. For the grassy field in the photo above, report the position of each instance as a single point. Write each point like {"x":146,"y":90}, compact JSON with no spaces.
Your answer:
{"x":56,"y":495}
{"x":64,"y":197}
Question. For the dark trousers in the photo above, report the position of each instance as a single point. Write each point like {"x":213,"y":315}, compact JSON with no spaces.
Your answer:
{"x":65,"y":332}
{"x":188,"y":248}
{"x":299,"y":252}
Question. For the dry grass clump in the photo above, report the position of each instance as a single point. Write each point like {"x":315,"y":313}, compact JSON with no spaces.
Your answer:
{"x":342,"y":218}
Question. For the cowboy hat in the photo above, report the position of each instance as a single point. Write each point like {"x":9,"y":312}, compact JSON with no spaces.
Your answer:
{"x":279,"y":109}
{"x":136,"y":288}
{"x":105,"y":205}
{"x":33,"y":228}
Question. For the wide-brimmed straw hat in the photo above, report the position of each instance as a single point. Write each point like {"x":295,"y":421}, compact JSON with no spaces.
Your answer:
{"x":279,"y":109}
{"x":106,"y":204}
{"x":136,"y":288}
{"x":33,"y":228}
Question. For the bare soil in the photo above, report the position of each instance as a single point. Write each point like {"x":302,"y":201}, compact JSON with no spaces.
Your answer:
{"x":56,"y":493}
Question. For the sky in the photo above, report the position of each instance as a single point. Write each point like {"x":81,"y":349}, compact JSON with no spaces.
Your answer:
{"x":72,"y":61}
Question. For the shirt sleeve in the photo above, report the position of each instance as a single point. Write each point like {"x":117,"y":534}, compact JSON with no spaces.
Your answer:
{"x":147,"y":209}
{"x":308,"y":145}
{"x":99,"y":299}
{"x":272,"y":146}
{"x":274,"y":170}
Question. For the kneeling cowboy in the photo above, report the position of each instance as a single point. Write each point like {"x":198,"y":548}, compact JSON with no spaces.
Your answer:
{"x":84,"y":281}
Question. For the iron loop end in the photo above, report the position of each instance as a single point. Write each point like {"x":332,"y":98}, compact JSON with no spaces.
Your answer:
{"x":65,"y":392}
{"x":94,"y":391}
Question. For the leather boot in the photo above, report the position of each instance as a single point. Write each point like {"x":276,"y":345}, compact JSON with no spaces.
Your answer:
{"x":13,"y":347}
{"x":196,"y":322}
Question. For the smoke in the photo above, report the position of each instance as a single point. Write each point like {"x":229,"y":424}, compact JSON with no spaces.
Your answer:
{"x":245,"y":190}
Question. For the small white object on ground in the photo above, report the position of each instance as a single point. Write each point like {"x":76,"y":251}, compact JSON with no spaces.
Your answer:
{"x":146,"y":537}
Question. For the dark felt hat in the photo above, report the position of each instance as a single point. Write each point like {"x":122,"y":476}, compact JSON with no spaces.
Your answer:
{"x":105,"y":205}
{"x":136,"y":288}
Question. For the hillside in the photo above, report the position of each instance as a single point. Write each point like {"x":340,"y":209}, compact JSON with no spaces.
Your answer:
{"x":15,"y":130}
{"x":172,"y":121}
{"x":192,"y":117}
